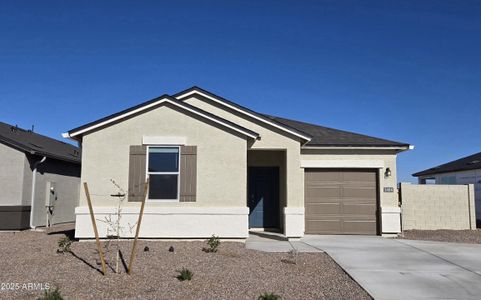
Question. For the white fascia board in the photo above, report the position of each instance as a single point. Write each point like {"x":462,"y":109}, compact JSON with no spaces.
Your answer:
{"x":160,"y":101}
{"x":330,"y":163}
{"x":245,"y":113}
{"x":356,"y":148}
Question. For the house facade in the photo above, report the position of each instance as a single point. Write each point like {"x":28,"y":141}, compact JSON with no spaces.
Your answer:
{"x":39,"y":179}
{"x":466,"y":170}
{"x":215,"y":167}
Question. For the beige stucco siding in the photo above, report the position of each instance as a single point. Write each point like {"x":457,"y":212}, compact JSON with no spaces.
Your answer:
{"x":271,"y":138}
{"x":221,"y":157}
{"x":369,"y":157}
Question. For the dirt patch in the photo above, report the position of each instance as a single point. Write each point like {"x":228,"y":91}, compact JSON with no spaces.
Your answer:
{"x":454,"y":236}
{"x":233,"y":273}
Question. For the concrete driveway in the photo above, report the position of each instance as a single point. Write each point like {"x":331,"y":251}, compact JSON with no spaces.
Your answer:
{"x":404,"y":269}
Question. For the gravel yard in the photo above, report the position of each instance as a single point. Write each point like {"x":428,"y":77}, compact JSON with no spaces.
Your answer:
{"x":454,"y":236}
{"x":232,"y":273}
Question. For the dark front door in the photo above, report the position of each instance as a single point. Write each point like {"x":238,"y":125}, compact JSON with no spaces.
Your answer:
{"x":263,"y":197}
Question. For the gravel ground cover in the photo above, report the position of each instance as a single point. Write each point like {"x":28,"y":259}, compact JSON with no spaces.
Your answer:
{"x":232,"y":273}
{"x":454,"y":236}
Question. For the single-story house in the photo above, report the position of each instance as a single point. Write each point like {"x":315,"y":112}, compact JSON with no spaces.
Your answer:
{"x":216,"y":167}
{"x":466,"y":170}
{"x":39,"y":179}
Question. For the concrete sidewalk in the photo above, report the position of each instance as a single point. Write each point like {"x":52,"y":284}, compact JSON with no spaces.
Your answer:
{"x":403,"y":269}
{"x":274,"y":242}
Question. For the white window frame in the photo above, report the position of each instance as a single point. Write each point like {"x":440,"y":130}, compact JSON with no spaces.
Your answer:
{"x":147,"y":173}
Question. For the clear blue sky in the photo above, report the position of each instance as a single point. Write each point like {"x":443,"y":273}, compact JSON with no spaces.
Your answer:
{"x":401,"y":70}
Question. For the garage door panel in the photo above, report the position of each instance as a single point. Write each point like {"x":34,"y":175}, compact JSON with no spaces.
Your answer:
{"x":324,"y":226}
{"x":359,"y":227}
{"x":323,"y":192}
{"x":341,"y":201}
{"x":356,"y":192}
{"x":324,"y":209}
{"x":359,"y":176}
{"x":360,"y":209}
{"x":324,"y":176}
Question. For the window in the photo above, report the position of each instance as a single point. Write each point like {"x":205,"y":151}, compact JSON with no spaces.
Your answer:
{"x":163,"y":172}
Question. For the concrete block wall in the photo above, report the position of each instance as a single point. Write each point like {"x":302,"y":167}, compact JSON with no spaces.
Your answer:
{"x":431,"y":207}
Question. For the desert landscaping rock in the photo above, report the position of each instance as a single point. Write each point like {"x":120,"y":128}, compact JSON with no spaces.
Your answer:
{"x":232,"y":273}
{"x":453,"y":236}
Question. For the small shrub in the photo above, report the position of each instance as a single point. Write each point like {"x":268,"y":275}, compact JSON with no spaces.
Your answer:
{"x":293,"y":255}
{"x":185,"y":274}
{"x":269,"y":296}
{"x":171,"y":249}
{"x":64,"y":245}
{"x":213,"y":243}
{"x":51,"y":294}
{"x":146,"y":249}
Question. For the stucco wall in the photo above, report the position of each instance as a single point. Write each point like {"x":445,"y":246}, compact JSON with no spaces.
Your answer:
{"x":67,"y":181}
{"x":221,"y":158}
{"x":433,"y":207}
{"x":271,"y":138}
{"x":11,"y":175}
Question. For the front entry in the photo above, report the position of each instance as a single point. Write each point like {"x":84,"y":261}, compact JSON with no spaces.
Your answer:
{"x":263,"y":197}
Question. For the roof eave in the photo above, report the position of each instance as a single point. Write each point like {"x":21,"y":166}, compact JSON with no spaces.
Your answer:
{"x":77,"y":133}
{"x":399,"y":148}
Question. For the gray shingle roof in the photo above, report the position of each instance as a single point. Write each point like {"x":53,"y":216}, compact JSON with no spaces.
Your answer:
{"x":318,"y":135}
{"x":38,"y":144}
{"x":324,"y":136}
{"x":471,"y":162}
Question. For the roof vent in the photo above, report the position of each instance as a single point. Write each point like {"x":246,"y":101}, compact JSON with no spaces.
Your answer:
{"x":14,"y":128}
{"x":473,"y":162}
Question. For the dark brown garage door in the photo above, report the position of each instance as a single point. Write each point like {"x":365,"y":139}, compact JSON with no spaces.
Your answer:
{"x":341,"y":201}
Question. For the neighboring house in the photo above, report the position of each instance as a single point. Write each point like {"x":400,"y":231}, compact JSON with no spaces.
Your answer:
{"x":216,"y":167}
{"x":466,"y":170}
{"x":39,"y":179}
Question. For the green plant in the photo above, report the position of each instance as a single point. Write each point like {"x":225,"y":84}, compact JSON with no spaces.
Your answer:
{"x":214,"y":243}
{"x":269,"y":296}
{"x":185,"y":274}
{"x":292,"y":256}
{"x":51,"y":294}
{"x":64,"y":244}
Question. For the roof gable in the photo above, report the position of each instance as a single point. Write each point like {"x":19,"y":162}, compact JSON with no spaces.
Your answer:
{"x":243,"y":110}
{"x":471,"y":162}
{"x":79,"y":131}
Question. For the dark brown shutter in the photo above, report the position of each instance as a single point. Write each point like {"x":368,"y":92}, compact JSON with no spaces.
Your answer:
{"x":137,"y":163}
{"x":188,"y":173}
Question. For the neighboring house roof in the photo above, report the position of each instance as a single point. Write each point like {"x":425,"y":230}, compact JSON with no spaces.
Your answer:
{"x":310,"y":134}
{"x":471,"y":162}
{"x":34,"y":143}
{"x":329,"y":137}
{"x":153,"y":103}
